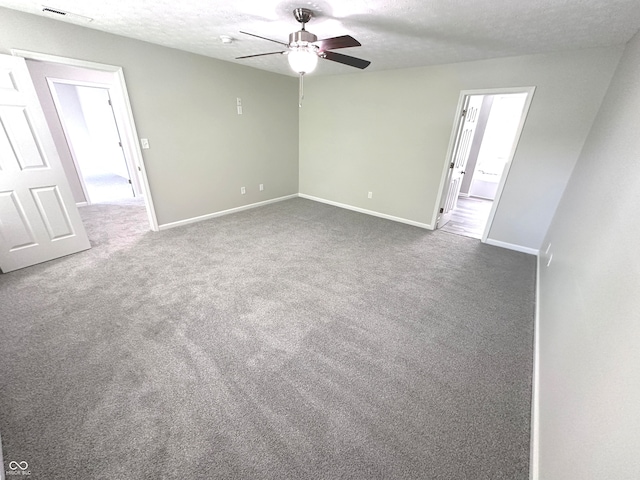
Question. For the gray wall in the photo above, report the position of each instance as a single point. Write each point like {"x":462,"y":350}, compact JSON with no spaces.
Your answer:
{"x":388,"y":132}
{"x":590,"y":304}
{"x":201,"y":152}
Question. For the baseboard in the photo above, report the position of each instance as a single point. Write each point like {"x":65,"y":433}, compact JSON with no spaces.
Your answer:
{"x":82,"y":204}
{"x":512,"y":246}
{"x":534,"y":454}
{"x":187,"y":221}
{"x":366,"y":212}
{"x":1,"y":461}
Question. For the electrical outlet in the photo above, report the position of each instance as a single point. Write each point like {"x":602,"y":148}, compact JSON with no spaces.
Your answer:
{"x":145,"y":143}
{"x":242,"y":190}
{"x":261,"y":187}
{"x":370,"y":195}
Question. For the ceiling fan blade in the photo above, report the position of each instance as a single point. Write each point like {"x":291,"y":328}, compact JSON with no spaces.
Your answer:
{"x":265,"y":38}
{"x":344,"y":41}
{"x":346,"y":59}
{"x":259,"y":55}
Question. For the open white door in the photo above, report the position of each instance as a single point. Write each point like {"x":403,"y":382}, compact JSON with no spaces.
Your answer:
{"x":39,"y":220}
{"x":460,"y":157}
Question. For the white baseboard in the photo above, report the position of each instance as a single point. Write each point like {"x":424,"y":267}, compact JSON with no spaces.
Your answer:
{"x":82,"y":204}
{"x":534,"y":455}
{"x":187,"y":221}
{"x":1,"y":461}
{"x":512,"y":246}
{"x":367,"y":212}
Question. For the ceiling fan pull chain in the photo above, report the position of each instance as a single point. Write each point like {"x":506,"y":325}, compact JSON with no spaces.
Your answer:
{"x":301,"y":90}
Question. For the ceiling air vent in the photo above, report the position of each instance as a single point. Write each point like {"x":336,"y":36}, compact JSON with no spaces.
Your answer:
{"x":62,"y":13}
{"x":51,"y":10}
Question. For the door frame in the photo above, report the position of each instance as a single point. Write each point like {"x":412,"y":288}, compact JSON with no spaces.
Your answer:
{"x":457,"y":123}
{"x":51,"y":81}
{"x":129,"y":135}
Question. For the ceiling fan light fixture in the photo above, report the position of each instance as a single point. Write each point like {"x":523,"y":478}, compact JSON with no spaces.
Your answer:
{"x":303,"y":59}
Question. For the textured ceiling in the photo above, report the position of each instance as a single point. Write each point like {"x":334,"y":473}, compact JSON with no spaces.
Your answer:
{"x":394,"y":33}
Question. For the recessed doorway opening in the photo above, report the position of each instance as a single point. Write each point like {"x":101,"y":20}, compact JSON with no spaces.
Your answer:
{"x":483,"y":144}
{"x":91,"y":129}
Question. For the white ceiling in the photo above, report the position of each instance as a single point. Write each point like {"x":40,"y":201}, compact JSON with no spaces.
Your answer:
{"x":394,"y":33}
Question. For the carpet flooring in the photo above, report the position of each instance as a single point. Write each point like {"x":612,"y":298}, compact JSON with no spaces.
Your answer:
{"x":292,"y":341}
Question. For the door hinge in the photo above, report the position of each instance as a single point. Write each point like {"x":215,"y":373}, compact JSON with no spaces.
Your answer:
{"x":452,"y":165}
{"x":464,"y":112}
{"x":110,"y":104}
{"x":130,"y":182}
{"x":120,"y":143}
{"x":442,"y":210}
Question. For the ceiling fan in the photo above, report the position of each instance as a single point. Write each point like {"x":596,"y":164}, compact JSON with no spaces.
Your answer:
{"x":304,"y":49}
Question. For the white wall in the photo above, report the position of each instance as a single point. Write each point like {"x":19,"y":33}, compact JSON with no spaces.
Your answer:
{"x":388,"y":132}
{"x":201,"y":152}
{"x":39,"y":72}
{"x":106,"y":154}
{"x":497,"y":144}
{"x":72,"y":114}
{"x":589,"y":423}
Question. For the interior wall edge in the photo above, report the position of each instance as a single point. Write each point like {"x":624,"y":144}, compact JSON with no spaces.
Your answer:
{"x":367,"y":212}
{"x":512,"y":246}
{"x":534,"y":471}
{"x":179,"y":223}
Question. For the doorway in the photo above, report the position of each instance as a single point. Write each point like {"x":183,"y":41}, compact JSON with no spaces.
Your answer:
{"x":89,"y":123}
{"x":94,"y":75}
{"x":485,"y":138}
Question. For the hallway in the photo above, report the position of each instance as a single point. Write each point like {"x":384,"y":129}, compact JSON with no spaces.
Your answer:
{"x":469,"y":217}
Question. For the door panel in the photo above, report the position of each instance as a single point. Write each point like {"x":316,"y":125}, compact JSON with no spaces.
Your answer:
{"x":22,"y":138}
{"x":460,"y":157}
{"x":15,"y":228}
{"x":53,"y":212}
{"x":39,"y":220}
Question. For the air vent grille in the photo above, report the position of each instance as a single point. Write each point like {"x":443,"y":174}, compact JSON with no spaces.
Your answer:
{"x":52,"y":10}
{"x":69,"y":15}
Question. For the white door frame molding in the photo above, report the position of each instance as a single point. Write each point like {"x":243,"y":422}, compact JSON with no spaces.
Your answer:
{"x":129,"y":135}
{"x":457,"y":119}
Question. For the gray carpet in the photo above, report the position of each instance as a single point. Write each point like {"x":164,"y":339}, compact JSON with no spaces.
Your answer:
{"x":293,"y":341}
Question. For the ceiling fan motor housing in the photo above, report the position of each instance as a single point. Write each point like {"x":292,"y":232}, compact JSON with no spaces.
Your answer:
{"x":301,"y":37}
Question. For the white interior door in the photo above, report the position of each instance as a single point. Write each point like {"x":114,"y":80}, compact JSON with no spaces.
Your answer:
{"x":460,"y":157}
{"x":39,"y":220}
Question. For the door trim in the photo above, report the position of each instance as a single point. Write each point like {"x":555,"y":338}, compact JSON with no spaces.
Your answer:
{"x":457,"y":122}
{"x":130,"y":134}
